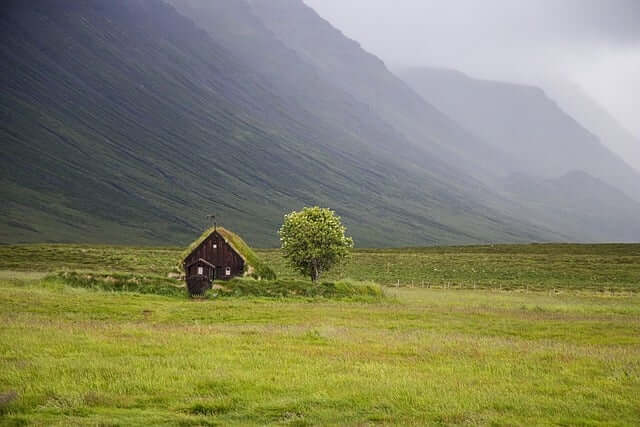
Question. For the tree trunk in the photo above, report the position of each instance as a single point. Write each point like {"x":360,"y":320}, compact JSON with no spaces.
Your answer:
{"x":315,"y":272}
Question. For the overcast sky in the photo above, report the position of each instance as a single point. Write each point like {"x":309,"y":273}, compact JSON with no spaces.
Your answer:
{"x":594,"y":43}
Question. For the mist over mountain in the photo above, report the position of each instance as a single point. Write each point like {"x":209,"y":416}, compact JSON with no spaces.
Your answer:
{"x":124,"y":122}
{"x":576,"y":202}
{"x":593,"y":43}
{"x":129,"y":121}
{"x":346,"y":65}
{"x":590,"y":114}
{"x":524,"y":122}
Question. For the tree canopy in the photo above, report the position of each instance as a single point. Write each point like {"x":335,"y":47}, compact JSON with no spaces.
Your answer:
{"x":313,"y":241}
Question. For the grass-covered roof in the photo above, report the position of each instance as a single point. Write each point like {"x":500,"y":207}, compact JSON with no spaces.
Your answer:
{"x":253,"y":264}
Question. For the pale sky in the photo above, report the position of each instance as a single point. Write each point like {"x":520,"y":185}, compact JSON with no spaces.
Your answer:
{"x":594,"y":43}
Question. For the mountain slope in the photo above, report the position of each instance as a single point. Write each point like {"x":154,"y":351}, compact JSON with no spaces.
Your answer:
{"x":596,"y":119}
{"x":578,"y":203}
{"x":346,"y":65}
{"x":541,"y":138}
{"x":123,"y":122}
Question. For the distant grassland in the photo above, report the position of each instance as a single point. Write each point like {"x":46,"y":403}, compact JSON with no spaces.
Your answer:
{"x":78,"y":354}
{"x":614,"y":267}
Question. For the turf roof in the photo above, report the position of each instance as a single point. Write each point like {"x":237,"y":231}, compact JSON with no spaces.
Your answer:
{"x":253,"y":264}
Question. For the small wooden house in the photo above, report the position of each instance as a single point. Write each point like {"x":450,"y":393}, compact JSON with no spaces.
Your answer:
{"x":219,"y":254}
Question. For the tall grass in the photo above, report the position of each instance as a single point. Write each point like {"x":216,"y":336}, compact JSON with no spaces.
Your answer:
{"x":145,"y":284}
{"x":343,"y":289}
{"x":119,"y":282}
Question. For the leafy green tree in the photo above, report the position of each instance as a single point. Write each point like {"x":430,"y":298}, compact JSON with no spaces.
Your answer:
{"x":313,"y":241}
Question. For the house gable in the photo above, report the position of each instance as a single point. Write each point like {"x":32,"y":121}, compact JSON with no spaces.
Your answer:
{"x":218,"y":252}
{"x":202,"y":247}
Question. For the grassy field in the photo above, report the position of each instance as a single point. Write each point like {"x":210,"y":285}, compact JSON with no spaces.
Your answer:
{"x":602,"y":268}
{"x":509,"y":352}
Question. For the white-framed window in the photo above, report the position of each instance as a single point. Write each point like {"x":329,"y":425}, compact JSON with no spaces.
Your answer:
{"x":227,"y":271}
{"x":200,"y":271}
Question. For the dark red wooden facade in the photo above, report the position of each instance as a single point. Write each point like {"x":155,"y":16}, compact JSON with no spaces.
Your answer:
{"x":214,"y":258}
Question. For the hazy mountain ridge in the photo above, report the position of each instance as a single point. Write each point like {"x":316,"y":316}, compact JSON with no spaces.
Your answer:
{"x":346,"y":65}
{"x":116,"y":114}
{"x":576,"y":202}
{"x":292,"y":78}
{"x":523,"y":121}
{"x":596,"y":119}
{"x":126,"y":122}
{"x":565,"y":178}
{"x":515,"y":141}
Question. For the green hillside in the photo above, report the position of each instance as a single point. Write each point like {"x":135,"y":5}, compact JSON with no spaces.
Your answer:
{"x":123,"y":122}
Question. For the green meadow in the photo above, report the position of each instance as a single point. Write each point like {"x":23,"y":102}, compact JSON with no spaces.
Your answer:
{"x":481,"y":335}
